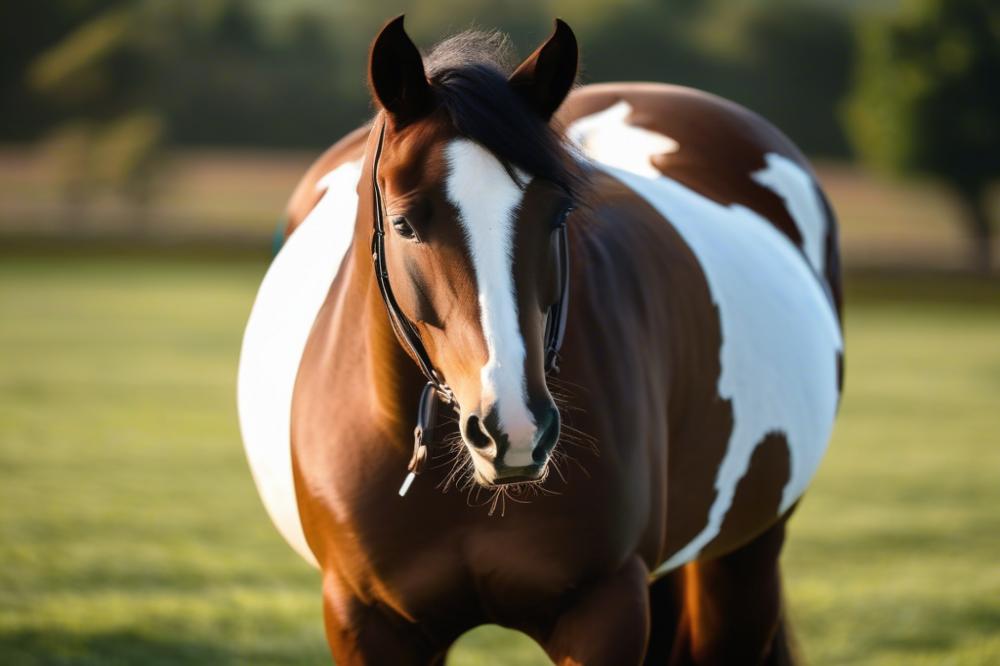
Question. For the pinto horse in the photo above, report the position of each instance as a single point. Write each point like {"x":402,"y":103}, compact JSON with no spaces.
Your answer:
{"x":628,"y":506}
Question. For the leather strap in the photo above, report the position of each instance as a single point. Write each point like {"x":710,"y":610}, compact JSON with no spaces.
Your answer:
{"x":555,"y":323}
{"x":402,"y":327}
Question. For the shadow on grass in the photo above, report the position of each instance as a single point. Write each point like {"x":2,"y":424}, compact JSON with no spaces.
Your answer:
{"x":50,"y":648}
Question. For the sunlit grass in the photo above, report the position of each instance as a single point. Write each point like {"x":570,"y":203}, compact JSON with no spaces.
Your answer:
{"x":895,"y":554}
{"x":130,"y":531}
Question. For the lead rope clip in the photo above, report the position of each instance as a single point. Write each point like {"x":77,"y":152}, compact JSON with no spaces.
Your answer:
{"x":426,"y":417}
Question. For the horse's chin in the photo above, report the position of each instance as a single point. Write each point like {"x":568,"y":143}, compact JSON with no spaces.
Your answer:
{"x":493,"y":481}
{"x":487,"y":474}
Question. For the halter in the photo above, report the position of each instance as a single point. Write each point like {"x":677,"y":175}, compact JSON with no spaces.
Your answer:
{"x":436,"y":388}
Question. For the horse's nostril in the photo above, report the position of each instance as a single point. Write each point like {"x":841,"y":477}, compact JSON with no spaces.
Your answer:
{"x":547,"y":437}
{"x":475,"y":434}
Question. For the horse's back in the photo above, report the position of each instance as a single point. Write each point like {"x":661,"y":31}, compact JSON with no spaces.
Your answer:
{"x":746,"y":204}
{"x":714,"y":147}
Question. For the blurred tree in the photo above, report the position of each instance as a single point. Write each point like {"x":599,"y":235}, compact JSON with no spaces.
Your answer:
{"x":798,"y":71}
{"x":262,"y":73}
{"x":128,"y":157}
{"x":26,"y":30}
{"x":927,"y":100}
{"x":100,"y":73}
{"x":70,"y":149}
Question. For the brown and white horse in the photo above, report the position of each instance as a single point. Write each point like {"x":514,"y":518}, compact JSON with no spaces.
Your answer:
{"x":647,"y":486}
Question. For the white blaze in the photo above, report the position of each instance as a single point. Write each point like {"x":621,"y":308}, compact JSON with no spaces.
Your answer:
{"x":487,"y":200}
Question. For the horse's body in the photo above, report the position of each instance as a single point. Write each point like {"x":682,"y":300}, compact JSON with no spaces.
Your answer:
{"x":701,"y":379}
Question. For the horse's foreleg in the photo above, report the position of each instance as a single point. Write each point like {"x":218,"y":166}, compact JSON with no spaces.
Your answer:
{"x":607,"y":625}
{"x":373,"y":635}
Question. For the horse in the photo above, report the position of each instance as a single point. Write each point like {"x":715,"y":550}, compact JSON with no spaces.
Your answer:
{"x":615,"y":312}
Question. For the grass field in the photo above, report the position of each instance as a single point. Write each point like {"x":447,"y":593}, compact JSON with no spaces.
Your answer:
{"x":130,"y":532}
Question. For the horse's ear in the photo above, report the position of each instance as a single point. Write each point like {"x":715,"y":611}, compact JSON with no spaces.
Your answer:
{"x":396,"y":74}
{"x":546,"y":76}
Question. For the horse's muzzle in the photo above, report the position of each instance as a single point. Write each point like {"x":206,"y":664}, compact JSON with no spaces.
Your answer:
{"x":493,"y":455}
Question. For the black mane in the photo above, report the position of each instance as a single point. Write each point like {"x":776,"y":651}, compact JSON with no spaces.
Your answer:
{"x":468,"y":73}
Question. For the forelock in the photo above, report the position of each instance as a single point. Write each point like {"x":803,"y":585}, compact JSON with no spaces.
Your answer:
{"x":468,"y":73}
{"x":472,"y":47}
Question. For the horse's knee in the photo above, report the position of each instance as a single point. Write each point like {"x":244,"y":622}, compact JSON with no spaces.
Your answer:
{"x":607,"y":624}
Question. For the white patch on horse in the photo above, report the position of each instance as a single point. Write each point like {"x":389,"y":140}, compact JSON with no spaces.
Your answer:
{"x":780,"y":335}
{"x":607,"y":137}
{"x":287,"y":303}
{"x":780,"y":340}
{"x":487,"y":200}
{"x":802,"y":199}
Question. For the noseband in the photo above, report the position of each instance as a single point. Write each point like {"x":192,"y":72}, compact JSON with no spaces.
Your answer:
{"x":436,"y":388}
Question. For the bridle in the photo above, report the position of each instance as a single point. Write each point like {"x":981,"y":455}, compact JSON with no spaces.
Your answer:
{"x":436,"y":388}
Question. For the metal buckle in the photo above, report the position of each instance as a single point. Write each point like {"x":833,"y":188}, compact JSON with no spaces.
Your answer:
{"x":426,"y":420}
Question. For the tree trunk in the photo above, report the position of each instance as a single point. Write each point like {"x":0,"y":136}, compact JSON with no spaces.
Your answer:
{"x":977,"y":220}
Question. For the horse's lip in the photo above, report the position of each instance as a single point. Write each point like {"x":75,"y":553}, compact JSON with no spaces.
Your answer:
{"x":510,"y":475}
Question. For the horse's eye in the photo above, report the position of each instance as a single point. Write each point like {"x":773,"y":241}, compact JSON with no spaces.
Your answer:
{"x":403,"y":228}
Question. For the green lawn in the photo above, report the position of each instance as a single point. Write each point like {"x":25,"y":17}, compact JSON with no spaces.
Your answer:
{"x":130,"y":532}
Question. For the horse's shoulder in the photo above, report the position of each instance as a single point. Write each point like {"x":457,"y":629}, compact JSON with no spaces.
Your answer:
{"x":307,"y":193}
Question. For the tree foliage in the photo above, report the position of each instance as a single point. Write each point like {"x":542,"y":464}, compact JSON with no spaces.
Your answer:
{"x":928,"y":99}
{"x":928,"y":95}
{"x":255,"y":72}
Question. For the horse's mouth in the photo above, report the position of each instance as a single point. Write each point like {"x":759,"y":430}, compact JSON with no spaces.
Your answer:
{"x":509,"y":476}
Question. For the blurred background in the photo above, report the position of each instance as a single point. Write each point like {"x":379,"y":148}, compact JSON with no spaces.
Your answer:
{"x":147,"y":148}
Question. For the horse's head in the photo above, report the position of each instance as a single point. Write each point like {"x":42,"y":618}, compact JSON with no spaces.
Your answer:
{"x":474,"y":181}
